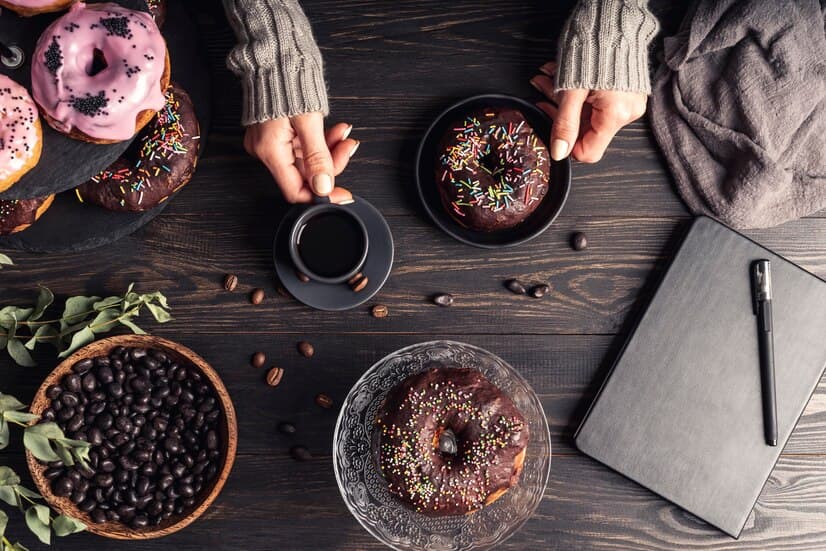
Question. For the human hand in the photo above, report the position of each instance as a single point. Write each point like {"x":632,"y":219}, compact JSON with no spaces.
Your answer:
{"x":303,"y":159}
{"x":585,"y":121}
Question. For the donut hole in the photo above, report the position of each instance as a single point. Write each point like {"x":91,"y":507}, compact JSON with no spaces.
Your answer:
{"x":98,"y":64}
{"x":446,"y":442}
{"x":489,"y":161}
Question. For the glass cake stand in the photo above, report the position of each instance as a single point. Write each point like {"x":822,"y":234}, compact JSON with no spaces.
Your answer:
{"x":365,"y":491}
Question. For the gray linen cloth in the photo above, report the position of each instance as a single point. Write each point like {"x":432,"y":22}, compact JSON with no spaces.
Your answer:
{"x":739,"y":110}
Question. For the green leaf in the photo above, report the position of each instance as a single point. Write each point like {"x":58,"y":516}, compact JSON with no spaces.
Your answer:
{"x":37,"y":519}
{"x":4,"y":520}
{"x":46,"y":430}
{"x":43,"y":333}
{"x":79,"y":340}
{"x":10,"y":314}
{"x":63,"y":526}
{"x":8,"y":477}
{"x":104,"y":321}
{"x":20,"y":354}
{"x":20,"y":416}
{"x":161,"y":315}
{"x":64,"y":454}
{"x":5,"y":260}
{"x":10,"y":403}
{"x":135,"y":329}
{"x":23,"y":491}
{"x":17,"y":546}
{"x":40,"y":446}
{"x":7,"y":494}
{"x":76,"y":310}
{"x":4,"y":433}
{"x":157,"y":296}
{"x":45,"y":298}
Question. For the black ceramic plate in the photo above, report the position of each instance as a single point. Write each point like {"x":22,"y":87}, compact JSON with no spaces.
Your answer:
{"x":322,"y":296}
{"x":66,"y":163}
{"x":536,"y":223}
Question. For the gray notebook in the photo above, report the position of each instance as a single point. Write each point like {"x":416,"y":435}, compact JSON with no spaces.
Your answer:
{"x":680,"y":412}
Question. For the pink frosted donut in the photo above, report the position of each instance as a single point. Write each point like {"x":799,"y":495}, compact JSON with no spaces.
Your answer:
{"x":20,"y":133}
{"x":99,"y":72}
{"x":33,"y":7}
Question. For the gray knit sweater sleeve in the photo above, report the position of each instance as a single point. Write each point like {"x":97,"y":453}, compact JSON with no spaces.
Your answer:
{"x":277,"y":58}
{"x":604,"y":46}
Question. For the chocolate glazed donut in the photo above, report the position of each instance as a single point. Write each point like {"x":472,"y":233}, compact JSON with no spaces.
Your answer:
{"x":492,"y":170}
{"x":450,"y":441}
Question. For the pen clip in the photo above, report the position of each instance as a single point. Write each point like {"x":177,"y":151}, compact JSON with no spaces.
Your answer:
{"x":761,"y":282}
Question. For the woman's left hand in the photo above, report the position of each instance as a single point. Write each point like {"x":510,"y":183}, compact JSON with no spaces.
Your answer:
{"x":585,"y":121}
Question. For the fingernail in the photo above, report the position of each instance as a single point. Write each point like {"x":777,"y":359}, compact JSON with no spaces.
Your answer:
{"x":355,"y":148}
{"x":547,"y":69}
{"x":322,"y":184}
{"x":535,"y":85}
{"x":559,"y":149}
{"x":347,"y":132}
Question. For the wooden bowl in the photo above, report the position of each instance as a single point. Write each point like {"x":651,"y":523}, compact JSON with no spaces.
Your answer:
{"x":228,"y":431}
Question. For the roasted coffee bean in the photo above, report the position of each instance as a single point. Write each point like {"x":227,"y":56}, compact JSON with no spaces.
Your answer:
{"x":306,"y":349}
{"x":98,"y":516}
{"x":53,"y":392}
{"x":77,"y":497}
{"x":172,"y":445}
{"x":258,"y":359}
{"x":126,"y":512}
{"x":230,"y":282}
{"x":540,"y":291}
{"x":72,"y":382}
{"x":105,"y":375}
{"x":63,"y":486}
{"x":65,"y":413}
{"x":443,"y":299}
{"x":140,"y":521}
{"x":302,"y":277}
{"x":52,"y":473}
{"x":83,"y":366}
{"x":379,"y":311}
{"x":88,"y":382}
{"x":324,"y":401}
{"x":257,"y":296}
{"x":123,"y":424}
{"x":87,"y":505}
{"x":74,"y":424}
{"x":300,"y":453}
{"x":283,"y":292}
{"x":360,"y":285}
{"x":515,"y":286}
{"x":104,"y":480}
{"x":70,"y":399}
{"x":286,"y":428}
{"x":274,"y":376}
{"x":355,"y":279}
{"x":579,"y":241}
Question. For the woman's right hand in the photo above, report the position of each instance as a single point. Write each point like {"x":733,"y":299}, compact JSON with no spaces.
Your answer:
{"x":302,"y":158}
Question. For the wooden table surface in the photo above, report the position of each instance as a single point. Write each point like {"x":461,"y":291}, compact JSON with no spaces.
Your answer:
{"x":391,"y":66}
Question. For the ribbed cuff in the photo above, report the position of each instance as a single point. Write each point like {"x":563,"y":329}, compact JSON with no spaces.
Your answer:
{"x":604,"y":46}
{"x":269,"y":95}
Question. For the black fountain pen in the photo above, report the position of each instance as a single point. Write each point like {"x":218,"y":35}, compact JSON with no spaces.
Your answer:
{"x":762,"y":290}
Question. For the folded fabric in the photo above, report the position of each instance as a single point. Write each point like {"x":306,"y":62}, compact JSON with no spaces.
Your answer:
{"x":739,"y":110}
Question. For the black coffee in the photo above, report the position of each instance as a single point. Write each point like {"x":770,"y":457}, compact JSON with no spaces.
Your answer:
{"x":331,"y":244}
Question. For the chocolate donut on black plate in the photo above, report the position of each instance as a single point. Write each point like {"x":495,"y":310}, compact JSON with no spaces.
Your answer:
{"x":17,"y":215}
{"x":450,"y":442}
{"x":492,"y":170}
{"x":158,"y":163}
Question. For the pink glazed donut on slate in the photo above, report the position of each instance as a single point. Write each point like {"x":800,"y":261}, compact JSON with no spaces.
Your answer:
{"x":99,"y":72}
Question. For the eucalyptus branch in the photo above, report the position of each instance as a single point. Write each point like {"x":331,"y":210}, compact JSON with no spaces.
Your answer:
{"x":22,"y":329}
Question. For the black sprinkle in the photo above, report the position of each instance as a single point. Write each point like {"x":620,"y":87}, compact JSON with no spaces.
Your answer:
{"x":117,"y":26}
{"x":89,"y":105}
{"x":54,"y":57}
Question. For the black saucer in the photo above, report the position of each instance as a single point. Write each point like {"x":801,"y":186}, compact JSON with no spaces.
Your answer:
{"x":322,"y":296}
{"x":537,"y":222}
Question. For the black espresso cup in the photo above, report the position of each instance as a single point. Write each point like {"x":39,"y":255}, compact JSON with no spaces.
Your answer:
{"x":328,"y":242}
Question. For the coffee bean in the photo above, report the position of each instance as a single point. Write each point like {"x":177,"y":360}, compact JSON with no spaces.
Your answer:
{"x":258,"y":359}
{"x":302,"y":277}
{"x":379,"y":311}
{"x":322,"y":400}
{"x":72,"y":382}
{"x":579,"y":241}
{"x":286,"y":428}
{"x":306,"y":349}
{"x":140,"y":521}
{"x":63,"y":487}
{"x":515,"y":286}
{"x":283,"y":292}
{"x":83,"y":366}
{"x":360,"y":285}
{"x":300,"y":453}
{"x":53,"y":392}
{"x":98,"y":516}
{"x":53,"y":472}
{"x":443,"y":299}
{"x":230,"y":282}
{"x":274,"y":376}
{"x":540,"y":291}
{"x":257,"y":296}
{"x":355,"y":279}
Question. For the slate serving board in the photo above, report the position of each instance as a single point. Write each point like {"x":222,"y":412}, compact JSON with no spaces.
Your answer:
{"x":72,"y":226}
